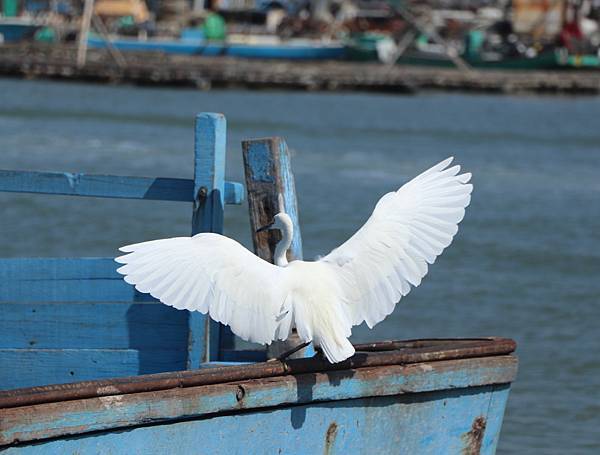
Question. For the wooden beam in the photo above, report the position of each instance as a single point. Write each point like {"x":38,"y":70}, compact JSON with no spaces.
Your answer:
{"x":109,"y":186}
{"x":206,"y":337}
{"x":268,"y":175}
{"x":270,"y":182}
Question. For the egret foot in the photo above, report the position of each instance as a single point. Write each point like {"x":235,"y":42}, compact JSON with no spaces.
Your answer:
{"x":295,"y":349}
{"x":319,"y":354}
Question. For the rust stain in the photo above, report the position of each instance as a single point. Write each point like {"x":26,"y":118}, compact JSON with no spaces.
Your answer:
{"x":330,"y":437}
{"x":474,"y":438}
{"x":240,"y":393}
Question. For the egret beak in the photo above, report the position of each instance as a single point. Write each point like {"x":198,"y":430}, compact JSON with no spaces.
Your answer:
{"x":264,"y":228}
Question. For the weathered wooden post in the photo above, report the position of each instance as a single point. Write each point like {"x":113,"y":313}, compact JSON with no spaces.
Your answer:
{"x":269,"y":181}
{"x":207,"y":337}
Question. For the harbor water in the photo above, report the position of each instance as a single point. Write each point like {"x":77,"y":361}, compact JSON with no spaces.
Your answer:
{"x":525,"y":263}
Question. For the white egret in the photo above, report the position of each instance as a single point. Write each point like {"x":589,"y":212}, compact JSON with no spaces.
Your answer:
{"x":362,"y":280}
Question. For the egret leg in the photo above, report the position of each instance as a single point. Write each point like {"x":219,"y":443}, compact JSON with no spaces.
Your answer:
{"x":295,"y":349}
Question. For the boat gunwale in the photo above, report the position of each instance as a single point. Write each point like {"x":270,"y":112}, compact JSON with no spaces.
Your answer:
{"x":368,"y":355}
{"x":38,"y":423}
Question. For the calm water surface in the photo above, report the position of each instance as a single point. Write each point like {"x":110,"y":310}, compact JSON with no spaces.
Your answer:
{"x":525,"y":264}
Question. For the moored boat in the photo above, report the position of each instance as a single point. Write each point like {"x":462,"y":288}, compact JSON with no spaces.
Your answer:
{"x":368,"y":48}
{"x":168,"y":46}
{"x":66,"y":320}
{"x":14,"y":29}
{"x":243,"y":46}
{"x":272,"y":47}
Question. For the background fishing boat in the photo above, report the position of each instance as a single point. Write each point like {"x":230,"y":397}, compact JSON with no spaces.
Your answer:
{"x":379,"y":47}
{"x":183,"y":46}
{"x":551,"y":59}
{"x":14,"y":29}
{"x":243,"y":46}
{"x":273,"y":47}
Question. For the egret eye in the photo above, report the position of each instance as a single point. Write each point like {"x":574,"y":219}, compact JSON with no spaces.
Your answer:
{"x":266,"y":227}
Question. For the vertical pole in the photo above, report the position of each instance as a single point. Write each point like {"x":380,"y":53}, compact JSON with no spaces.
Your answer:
{"x":209,"y":192}
{"x":268,"y":174}
{"x":114,"y":52}
{"x":88,"y":10}
{"x":269,"y":179}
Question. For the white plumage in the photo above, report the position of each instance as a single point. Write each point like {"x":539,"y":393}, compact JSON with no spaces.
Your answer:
{"x":362,"y":280}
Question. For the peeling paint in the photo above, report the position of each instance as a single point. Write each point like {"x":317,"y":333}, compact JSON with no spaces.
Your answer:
{"x":73,"y":178}
{"x":260,"y":164}
{"x":110,"y":402}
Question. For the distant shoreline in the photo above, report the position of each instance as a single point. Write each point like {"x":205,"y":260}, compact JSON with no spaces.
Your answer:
{"x":43,"y":61}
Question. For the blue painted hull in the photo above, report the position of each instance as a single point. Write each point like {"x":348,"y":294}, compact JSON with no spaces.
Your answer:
{"x":384,"y":425}
{"x":260,"y":51}
{"x":168,"y":47}
{"x":425,"y":397}
{"x":14,"y":32}
{"x":286,"y":52}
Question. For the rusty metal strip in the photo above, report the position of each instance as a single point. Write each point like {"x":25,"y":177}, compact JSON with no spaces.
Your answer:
{"x":368,"y":355}
{"x":439,"y":343}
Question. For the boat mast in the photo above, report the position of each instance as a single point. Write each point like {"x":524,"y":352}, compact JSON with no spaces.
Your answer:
{"x":86,"y":19}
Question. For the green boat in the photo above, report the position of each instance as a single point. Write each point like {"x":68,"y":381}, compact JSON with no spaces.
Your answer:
{"x":364,"y":47}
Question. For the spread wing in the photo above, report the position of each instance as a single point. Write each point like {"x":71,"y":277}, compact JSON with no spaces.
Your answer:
{"x":212,"y":274}
{"x":390,"y":253}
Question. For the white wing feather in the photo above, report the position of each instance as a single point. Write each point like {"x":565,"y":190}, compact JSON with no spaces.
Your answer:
{"x":367,"y":275}
{"x":408,"y":229}
{"x":212,"y":274}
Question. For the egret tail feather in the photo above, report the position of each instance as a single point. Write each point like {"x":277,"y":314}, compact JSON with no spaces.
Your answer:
{"x":337,"y":350}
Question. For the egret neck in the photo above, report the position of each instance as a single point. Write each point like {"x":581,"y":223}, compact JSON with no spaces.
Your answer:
{"x":284,"y":223}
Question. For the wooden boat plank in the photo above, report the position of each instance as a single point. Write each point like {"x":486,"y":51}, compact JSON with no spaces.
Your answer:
{"x":117,"y":411}
{"x":32,"y":367}
{"x":102,"y":325}
{"x":109,"y":186}
{"x":65,"y":280}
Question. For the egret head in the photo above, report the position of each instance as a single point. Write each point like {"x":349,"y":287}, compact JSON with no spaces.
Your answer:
{"x":281,"y":221}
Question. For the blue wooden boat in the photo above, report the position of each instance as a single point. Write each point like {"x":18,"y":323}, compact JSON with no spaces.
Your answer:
{"x":271,"y":47}
{"x":243,"y":46}
{"x":168,"y":46}
{"x":90,"y":365}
